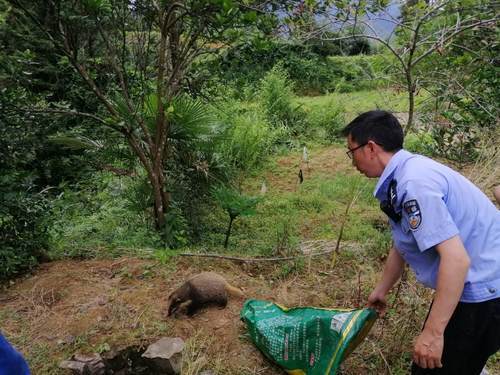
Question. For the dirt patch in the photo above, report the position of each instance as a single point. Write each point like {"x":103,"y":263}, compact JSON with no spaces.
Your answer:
{"x":91,"y":306}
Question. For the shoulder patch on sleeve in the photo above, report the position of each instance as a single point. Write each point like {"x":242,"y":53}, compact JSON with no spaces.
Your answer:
{"x":412,"y":209}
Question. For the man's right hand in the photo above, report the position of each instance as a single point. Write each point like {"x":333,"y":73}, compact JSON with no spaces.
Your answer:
{"x":393,"y":269}
{"x":378,"y":301}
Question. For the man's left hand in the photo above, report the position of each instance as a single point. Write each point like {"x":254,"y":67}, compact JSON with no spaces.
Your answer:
{"x":428,"y":350}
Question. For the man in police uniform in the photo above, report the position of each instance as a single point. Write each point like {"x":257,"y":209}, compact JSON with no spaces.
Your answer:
{"x":448,"y":231}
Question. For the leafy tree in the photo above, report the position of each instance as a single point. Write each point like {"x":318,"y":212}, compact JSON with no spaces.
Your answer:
{"x":463,"y":75}
{"x":133,"y":58}
{"x":22,"y":204}
{"x":425,"y":29}
{"x":30,"y":165}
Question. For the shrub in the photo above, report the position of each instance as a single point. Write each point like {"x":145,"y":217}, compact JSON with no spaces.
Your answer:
{"x":22,"y":232}
{"x":457,"y":136}
{"x":353,"y":73}
{"x":235,"y":204}
{"x":276,"y":96}
{"x":245,"y":143}
{"x":95,"y":218}
{"x":320,"y":75}
{"x":326,"y":121}
{"x":248,"y":138}
{"x":309,"y":66}
{"x":421,"y":143}
{"x":311,"y":75}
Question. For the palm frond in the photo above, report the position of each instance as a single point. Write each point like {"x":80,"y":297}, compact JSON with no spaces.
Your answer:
{"x":77,"y":143}
{"x":190,"y":120}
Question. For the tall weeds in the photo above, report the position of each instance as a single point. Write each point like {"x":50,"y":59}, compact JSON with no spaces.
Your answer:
{"x":277,"y":99}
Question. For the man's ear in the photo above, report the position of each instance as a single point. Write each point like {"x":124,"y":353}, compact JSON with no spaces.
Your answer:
{"x":372,"y":146}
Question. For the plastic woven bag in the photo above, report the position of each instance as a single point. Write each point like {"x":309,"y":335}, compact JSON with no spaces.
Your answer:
{"x":306,"y":340}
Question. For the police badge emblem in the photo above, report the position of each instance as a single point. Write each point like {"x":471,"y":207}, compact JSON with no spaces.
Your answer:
{"x":412,"y":209}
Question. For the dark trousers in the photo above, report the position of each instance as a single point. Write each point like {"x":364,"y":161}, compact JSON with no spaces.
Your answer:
{"x":471,"y":336}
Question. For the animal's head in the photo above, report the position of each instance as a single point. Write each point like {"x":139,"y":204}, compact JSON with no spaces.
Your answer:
{"x":174,"y":302}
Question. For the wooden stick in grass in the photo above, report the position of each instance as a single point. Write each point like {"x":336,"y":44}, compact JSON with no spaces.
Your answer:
{"x":354,"y":197}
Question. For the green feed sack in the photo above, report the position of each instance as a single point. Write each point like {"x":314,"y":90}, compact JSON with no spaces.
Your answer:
{"x":306,"y":340}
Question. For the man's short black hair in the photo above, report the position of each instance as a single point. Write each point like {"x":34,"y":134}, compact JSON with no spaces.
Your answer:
{"x":381,"y":127}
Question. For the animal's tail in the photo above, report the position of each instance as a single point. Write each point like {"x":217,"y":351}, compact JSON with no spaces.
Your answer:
{"x":234,"y":291}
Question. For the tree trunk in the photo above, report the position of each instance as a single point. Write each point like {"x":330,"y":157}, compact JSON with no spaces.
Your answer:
{"x":228,"y":233}
{"x":411,"y":101}
{"x":411,"y":110}
{"x":161,"y":199}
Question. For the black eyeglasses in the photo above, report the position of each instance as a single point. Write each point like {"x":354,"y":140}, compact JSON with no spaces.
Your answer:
{"x":351,"y":150}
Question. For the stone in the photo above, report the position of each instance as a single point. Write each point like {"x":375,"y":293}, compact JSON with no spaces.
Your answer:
{"x":85,"y":364}
{"x":75,"y":367}
{"x":68,"y":339}
{"x":166,"y":355}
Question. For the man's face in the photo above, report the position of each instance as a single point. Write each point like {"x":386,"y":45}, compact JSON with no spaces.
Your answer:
{"x":363,"y":157}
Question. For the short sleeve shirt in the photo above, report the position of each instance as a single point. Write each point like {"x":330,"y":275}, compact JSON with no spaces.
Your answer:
{"x":436,"y":203}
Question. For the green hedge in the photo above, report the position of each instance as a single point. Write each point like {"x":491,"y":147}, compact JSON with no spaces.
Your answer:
{"x":312,"y":73}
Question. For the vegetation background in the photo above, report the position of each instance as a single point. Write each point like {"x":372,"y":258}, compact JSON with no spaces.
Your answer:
{"x":152,"y":129}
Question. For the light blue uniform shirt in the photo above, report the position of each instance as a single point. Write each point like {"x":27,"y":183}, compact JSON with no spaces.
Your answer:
{"x":437,"y":203}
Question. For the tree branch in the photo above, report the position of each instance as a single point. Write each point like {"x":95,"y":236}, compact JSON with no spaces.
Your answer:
{"x":451,"y":36}
{"x":73,"y":113}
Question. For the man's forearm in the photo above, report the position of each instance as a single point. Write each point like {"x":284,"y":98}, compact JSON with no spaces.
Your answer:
{"x":393,"y":269}
{"x":453,"y":268}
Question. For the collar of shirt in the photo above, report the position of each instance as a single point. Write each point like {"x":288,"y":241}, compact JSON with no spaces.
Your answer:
{"x":399,"y":157}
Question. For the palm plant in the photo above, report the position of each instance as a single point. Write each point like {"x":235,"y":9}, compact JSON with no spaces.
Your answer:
{"x":235,"y":204}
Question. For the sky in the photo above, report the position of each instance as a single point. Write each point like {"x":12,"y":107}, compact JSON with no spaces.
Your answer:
{"x":384,"y":28}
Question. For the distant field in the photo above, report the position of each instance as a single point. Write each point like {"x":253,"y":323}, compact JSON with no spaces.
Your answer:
{"x":361,"y":101}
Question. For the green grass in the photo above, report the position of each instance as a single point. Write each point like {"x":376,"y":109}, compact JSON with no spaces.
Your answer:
{"x":106,"y":216}
{"x":310,"y":211}
{"x":357,"y":102}
{"x":101,"y":219}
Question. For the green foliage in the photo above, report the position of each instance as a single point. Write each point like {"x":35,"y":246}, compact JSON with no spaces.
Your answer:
{"x":465,"y":85}
{"x":276,"y":95}
{"x":29,"y":168}
{"x":457,"y":65}
{"x":22,"y":235}
{"x":175,"y":233}
{"x":291,"y":268}
{"x":337,"y":73}
{"x":235,"y":204}
{"x":34,"y":74}
{"x":286,"y":242}
{"x":421,"y":142}
{"x":96,"y":219}
{"x":247,"y":140}
{"x":163,"y":256}
{"x":457,"y":137}
{"x":354,"y":73}
{"x":310,"y":66}
{"x":325,"y":122}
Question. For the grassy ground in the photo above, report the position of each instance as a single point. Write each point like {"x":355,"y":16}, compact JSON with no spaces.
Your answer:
{"x":361,"y":101}
{"x":87,"y":306}
{"x":91,"y":306}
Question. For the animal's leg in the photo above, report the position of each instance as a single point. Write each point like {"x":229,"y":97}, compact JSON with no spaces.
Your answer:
{"x":221,"y":301}
{"x":192,"y":308}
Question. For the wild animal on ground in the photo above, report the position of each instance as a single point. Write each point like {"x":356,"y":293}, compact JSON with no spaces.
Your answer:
{"x":203,"y":289}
